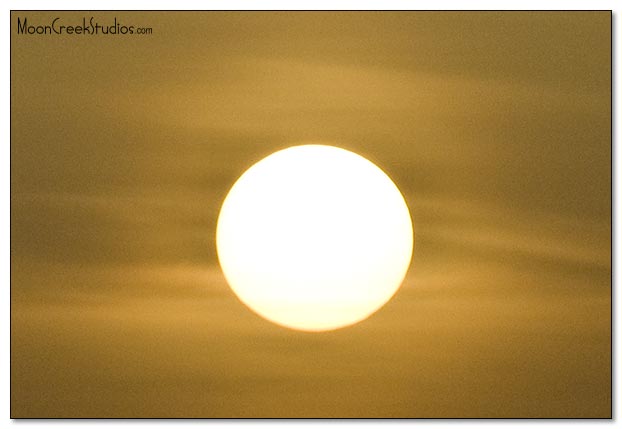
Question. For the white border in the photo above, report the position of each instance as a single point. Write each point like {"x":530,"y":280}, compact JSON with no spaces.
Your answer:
{"x":313,"y":5}
{"x":272,"y":5}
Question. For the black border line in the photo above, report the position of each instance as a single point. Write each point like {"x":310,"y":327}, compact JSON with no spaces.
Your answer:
{"x":309,"y":10}
{"x":612,"y":224}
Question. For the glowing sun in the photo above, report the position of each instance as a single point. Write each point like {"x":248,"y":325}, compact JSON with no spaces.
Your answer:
{"x":314,"y":238}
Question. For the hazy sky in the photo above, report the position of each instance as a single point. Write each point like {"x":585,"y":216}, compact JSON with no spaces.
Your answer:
{"x":495,"y":127}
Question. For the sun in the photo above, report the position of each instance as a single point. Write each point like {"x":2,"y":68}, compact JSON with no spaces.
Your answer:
{"x":314,"y":238}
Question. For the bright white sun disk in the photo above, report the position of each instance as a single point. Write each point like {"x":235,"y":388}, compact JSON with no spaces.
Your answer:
{"x":314,"y":238}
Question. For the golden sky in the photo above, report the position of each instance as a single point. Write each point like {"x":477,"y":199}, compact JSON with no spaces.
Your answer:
{"x":494,"y":126}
